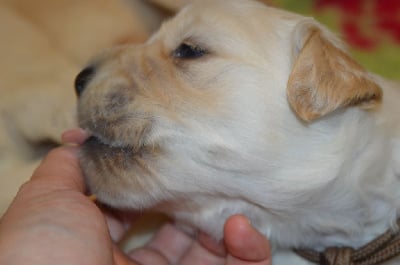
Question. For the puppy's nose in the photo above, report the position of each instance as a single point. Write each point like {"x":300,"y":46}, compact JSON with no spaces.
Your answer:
{"x":83,"y":79}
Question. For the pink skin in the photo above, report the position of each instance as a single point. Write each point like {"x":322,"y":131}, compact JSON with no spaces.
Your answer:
{"x":75,"y":136}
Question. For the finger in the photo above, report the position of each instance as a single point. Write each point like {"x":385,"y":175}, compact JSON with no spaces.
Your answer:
{"x":213,"y":246}
{"x":61,"y":168}
{"x":169,"y":243}
{"x":121,"y":259}
{"x":149,"y":256}
{"x":198,"y":255}
{"x":115,"y":227}
{"x":244,"y":243}
{"x":75,"y":136}
{"x":118,"y":222}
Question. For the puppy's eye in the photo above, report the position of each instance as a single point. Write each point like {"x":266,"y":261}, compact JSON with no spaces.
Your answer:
{"x":188,"y":51}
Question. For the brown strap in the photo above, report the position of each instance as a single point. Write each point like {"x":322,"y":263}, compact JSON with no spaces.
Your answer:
{"x":381,"y":249}
{"x":337,"y":256}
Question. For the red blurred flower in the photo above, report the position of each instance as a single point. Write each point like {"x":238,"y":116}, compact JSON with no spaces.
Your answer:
{"x":365,"y":23}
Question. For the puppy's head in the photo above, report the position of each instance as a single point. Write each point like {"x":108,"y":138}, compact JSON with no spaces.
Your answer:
{"x":194,"y":122}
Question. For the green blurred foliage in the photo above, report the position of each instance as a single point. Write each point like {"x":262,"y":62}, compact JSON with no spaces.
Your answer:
{"x":383,"y":60}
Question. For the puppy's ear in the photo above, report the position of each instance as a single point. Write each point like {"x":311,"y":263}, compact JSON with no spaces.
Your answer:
{"x":324,"y":77}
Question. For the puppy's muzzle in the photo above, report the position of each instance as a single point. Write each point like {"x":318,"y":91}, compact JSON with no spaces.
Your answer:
{"x":83,"y":79}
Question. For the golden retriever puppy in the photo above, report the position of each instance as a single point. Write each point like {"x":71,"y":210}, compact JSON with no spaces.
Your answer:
{"x":236,"y":107}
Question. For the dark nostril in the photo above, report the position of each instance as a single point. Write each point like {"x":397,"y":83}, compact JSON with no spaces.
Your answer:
{"x":83,"y":79}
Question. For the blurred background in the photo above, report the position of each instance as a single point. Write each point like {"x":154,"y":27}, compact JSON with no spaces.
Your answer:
{"x":370,"y":27}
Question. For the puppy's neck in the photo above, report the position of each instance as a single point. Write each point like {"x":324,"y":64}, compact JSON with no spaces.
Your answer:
{"x":351,"y":185}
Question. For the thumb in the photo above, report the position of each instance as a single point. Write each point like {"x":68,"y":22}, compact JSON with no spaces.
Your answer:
{"x":121,"y":258}
{"x":61,"y":167}
{"x":245,"y":245}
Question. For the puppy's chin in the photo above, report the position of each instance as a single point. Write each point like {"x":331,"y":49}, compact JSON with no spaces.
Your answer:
{"x":119,"y":176}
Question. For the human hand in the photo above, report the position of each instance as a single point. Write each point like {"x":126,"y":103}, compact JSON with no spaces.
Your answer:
{"x":52,"y":221}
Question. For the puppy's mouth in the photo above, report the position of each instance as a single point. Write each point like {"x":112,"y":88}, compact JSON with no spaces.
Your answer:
{"x":119,"y":152}
{"x":81,"y":136}
{"x":97,"y":139}
{"x":98,"y":143}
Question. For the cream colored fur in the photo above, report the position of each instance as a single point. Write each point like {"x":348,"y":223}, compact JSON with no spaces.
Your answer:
{"x":274,"y":121}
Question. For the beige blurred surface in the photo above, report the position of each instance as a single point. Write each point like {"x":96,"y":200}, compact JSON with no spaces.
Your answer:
{"x":43,"y":45}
